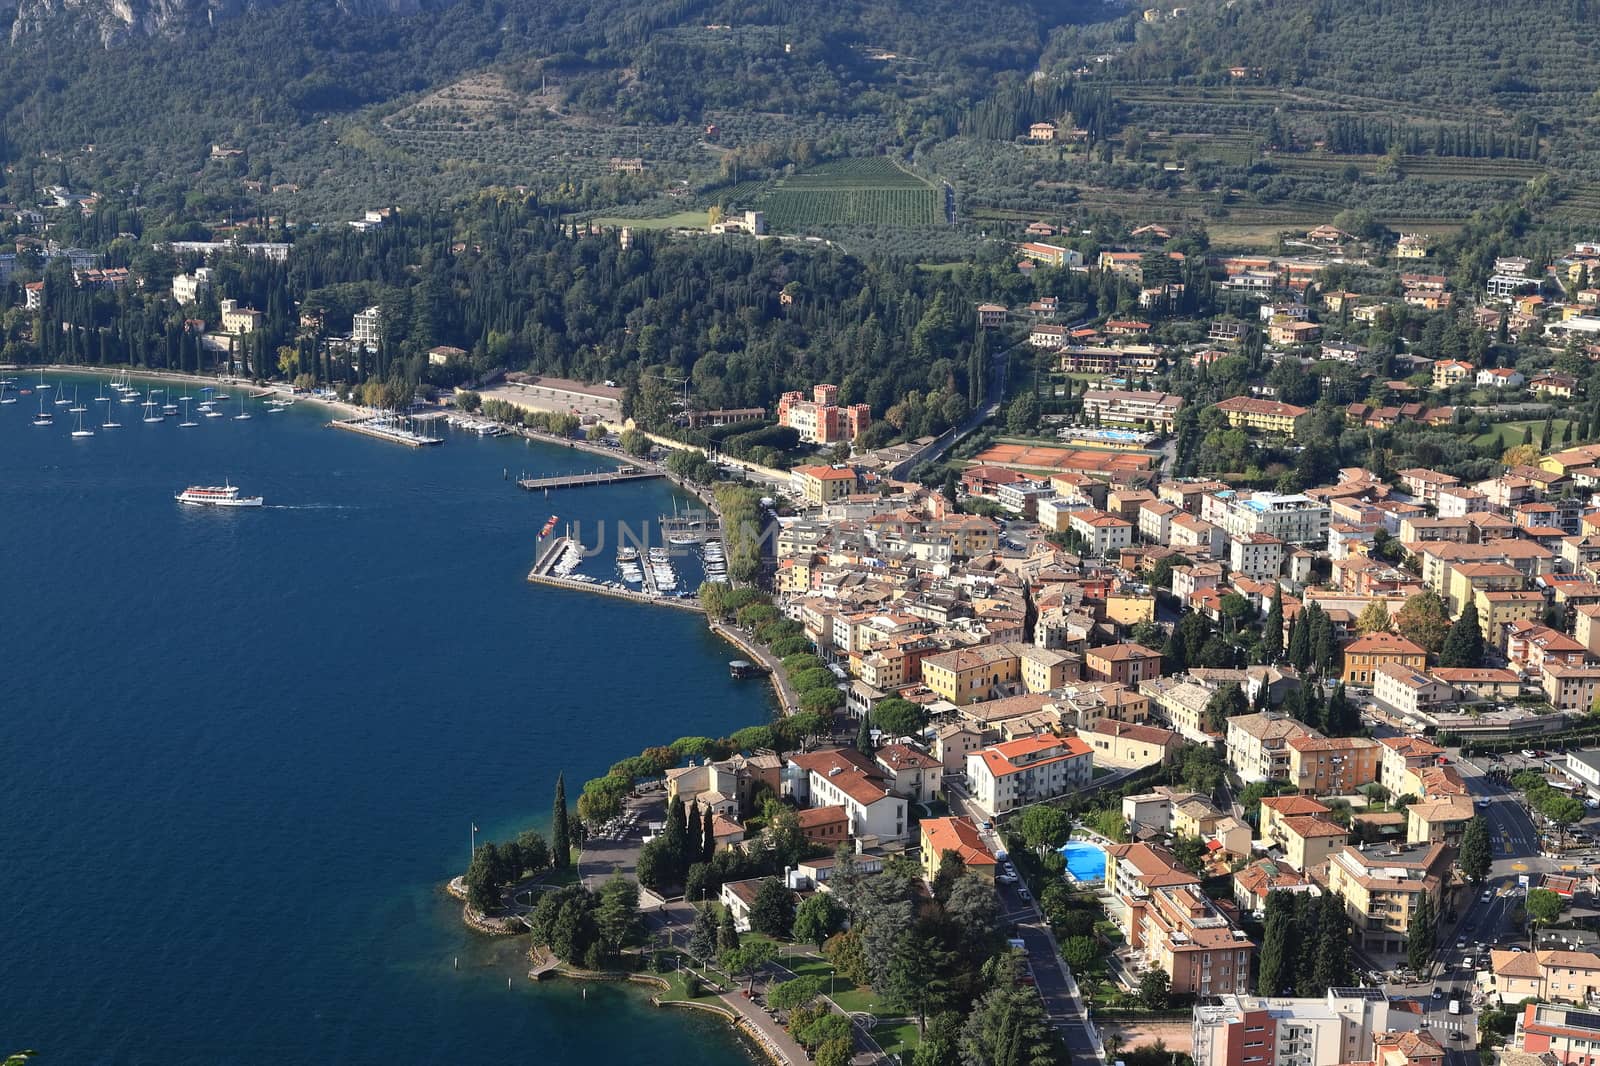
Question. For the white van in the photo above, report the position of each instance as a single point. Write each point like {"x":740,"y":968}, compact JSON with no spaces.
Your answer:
{"x":1455,"y":1006}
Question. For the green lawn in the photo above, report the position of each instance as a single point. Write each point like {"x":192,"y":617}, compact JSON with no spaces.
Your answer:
{"x":680,"y":220}
{"x":897,"y":1038}
{"x":676,"y":991}
{"x":845,"y":993}
{"x":1510,"y":433}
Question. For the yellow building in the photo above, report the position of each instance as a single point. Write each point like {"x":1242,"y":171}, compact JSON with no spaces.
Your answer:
{"x":794,"y":575}
{"x":960,"y":836}
{"x":1449,"y":372}
{"x":1365,"y":654}
{"x":1465,"y":579}
{"x":1382,"y":886}
{"x":1263,"y":416}
{"x":1309,"y":841}
{"x":824,"y":484}
{"x":1438,"y":821}
{"x":1332,"y":766}
{"x":1130,"y":608}
{"x":1044,"y":669}
{"x":1496,"y":610}
{"x":966,"y":675}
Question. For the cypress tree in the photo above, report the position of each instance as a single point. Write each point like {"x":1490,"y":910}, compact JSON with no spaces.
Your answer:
{"x":708,"y":846}
{"x":1272,"y":629}
{"x":1332,"y":968}
{"x":695,"y":835}
{"x":1270,"y":971}
{"x":1420,"y":936}
{"x":1322,"y":645}
{"x":560,"y":833}
{"x":864,"y":735}
{"x":1300,"y":640}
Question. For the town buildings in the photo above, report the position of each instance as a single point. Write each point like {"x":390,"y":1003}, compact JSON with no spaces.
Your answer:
{"x":1006,"y":776}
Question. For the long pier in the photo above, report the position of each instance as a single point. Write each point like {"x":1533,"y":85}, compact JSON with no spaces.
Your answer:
{"x":690,"y":604}
{"x":574,"y":481}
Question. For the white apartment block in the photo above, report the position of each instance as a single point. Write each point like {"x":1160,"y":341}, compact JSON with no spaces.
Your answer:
{"x":367,"y":328}
{"x":1011,"y":775}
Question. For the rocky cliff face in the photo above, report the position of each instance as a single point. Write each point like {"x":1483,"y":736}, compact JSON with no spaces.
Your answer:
{"x":110,"y":22}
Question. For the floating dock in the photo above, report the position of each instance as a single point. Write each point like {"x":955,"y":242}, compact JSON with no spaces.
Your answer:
{"x":385,"y":430}
{"x":575,"y":481}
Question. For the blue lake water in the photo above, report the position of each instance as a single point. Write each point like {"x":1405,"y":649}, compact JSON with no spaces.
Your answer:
{"x":240,"y":751}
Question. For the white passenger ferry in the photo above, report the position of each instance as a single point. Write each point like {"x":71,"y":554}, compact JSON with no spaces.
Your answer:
{"x":225,"y":495}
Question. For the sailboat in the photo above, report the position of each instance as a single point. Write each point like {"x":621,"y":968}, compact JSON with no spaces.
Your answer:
{"x":152,"y":413}
{"x":80,"y":431}
{"x":5,"y":395}
{"x":44,"y":386}
{"x":169,"y":408}
{"x":43,"y":418}
{"x":102,"y":398}
{"x":110,"y":423}
{"x":187,"y":423}
{"x":243,"y":414}
{"x":76,"y":408}
{"x":61,"y":397}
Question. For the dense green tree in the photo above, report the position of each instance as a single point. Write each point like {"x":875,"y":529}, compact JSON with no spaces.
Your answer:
{"x":772,"y":911}
{"x":1008,"y":1025}
{"x":1463,"y":645}
{"x":1424,"y":621}
{"x":1224,"y":703}
{"x":817,"y":918}
{"x":1544,"y":906}
{"x":1044,"y":826}
{"x":1155,"y":989}
{"x":702,"y":943}
{"x":897,"y":717}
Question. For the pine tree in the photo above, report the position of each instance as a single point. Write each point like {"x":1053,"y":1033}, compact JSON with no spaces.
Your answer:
{"x":1272,"y":629}
{"x":560,"y":832}
{"x":1463,"y":645}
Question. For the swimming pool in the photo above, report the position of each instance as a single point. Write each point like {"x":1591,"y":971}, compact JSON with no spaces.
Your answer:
{"x":1085,"y":861}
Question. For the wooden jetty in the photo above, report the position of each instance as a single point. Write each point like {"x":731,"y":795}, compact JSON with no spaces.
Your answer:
{"x":574,"y":481}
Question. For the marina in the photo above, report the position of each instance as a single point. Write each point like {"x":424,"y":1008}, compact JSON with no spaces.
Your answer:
{"x":383,"y":427}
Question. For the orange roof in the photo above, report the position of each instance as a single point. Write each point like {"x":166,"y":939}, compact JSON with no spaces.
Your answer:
{"x":1382,"y":642}
{"x":1290,"y":806}
{"x":960,"y":836}
{"x":826,"y":473}
{"x":1000,"y":757}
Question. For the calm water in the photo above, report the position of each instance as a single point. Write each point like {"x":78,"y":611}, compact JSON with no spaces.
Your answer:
{"x":239,"y":751}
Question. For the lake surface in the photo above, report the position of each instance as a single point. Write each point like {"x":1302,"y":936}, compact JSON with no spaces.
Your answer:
{"x":241,"y":750}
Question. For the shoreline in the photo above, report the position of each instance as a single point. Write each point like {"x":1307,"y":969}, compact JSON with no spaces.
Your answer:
{"x":744,"y":1032}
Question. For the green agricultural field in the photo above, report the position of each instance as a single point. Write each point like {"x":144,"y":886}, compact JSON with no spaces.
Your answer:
{"x":1510,"y":433}
{"x":678,"y":220}
{"x":870,"y":191}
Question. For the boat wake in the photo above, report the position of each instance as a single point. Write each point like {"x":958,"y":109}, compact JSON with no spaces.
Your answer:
{"x":309,"y":507}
